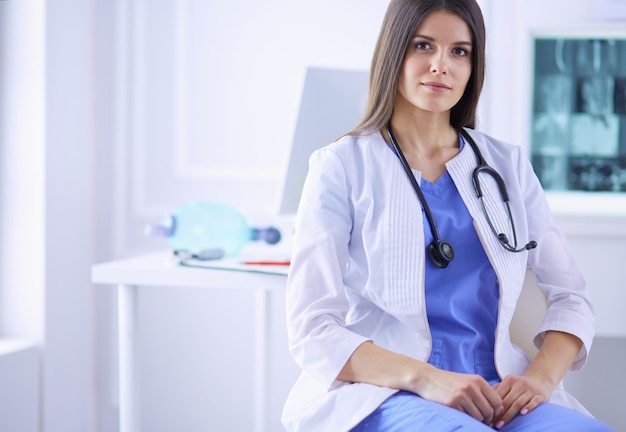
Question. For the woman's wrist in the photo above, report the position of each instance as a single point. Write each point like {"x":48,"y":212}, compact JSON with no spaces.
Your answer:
{"x":417,"y":376}
{"x":555,"y":357}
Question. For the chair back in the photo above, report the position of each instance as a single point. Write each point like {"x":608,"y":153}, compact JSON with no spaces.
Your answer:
{"x":531,"y":308}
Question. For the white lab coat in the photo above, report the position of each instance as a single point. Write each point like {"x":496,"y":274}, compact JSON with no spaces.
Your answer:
{"x":357,"y":271}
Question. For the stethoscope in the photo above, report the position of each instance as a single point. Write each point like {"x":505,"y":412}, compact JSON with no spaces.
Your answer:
{"x":441,"y":251}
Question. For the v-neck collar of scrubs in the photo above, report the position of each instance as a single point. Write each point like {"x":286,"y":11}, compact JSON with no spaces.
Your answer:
{"x":440,"y":188}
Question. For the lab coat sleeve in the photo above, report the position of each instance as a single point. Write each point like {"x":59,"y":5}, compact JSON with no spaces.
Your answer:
{"x":316,"y":300}
{"x":557,"y":273}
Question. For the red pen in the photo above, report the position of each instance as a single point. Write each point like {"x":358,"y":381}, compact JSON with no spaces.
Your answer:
{"x":276,"y":263}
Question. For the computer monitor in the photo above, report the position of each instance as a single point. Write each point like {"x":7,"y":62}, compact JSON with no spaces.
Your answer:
{"x":332,"y":103}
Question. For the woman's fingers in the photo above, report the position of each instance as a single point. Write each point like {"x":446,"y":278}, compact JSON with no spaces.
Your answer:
{"x":468,"y":393}
{"x":478,"y":399}
{"x":519,"y":396}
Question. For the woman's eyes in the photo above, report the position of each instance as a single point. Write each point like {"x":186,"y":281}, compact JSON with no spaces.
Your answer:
{"x":461,"y":52}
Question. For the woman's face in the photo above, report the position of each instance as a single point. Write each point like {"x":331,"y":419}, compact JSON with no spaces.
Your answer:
{"x":437,"y":64}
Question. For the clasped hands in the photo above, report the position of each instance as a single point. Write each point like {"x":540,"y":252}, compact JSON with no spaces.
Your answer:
{"x":493,"y":405}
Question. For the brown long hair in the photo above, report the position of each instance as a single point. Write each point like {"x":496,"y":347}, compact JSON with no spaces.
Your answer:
{"x":402,"y":19}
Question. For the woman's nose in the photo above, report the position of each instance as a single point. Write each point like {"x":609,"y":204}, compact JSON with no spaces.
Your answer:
{"x":439,"y":64}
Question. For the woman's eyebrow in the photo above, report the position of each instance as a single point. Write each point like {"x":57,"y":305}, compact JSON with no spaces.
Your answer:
{"x":429,"y":38}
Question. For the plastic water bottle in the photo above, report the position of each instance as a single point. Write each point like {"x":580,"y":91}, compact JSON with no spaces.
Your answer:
{"x":209,"y":230}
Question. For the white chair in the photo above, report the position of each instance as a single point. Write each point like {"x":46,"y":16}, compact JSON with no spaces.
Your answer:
{"x":531,"y":308}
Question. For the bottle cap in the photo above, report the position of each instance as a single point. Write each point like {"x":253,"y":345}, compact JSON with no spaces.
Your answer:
{"x":269,"y":235}
{"x":165,"y":228}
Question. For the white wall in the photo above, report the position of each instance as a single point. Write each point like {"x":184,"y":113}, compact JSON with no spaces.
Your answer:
{"x":22,"y":152}
{"x":47,"y":231}
{"x":69,"y":372}
{"x":22,"y":289}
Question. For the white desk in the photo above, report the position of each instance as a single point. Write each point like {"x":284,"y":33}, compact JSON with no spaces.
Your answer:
{"x":160,"y":269}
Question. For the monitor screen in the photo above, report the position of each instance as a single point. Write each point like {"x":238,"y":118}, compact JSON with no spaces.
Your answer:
{"x":332,"y":103}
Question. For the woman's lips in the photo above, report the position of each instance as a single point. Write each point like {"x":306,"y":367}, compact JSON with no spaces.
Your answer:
{"x":436,"y":86}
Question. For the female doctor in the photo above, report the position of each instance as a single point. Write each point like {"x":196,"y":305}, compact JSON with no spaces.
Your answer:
{"x":412,"y":241}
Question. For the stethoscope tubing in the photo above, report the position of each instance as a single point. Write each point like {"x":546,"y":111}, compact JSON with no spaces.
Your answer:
{"x":416,"y":186}
{"x":481,"y":167}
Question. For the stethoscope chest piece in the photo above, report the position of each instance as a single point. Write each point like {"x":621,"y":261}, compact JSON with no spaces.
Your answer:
{"x":441,"y":253}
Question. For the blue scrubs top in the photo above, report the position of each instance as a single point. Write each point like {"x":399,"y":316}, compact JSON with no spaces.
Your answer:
{"x":461,"y":299}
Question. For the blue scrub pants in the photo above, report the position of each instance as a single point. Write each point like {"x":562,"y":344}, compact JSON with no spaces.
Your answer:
{"x":407,"y":412}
